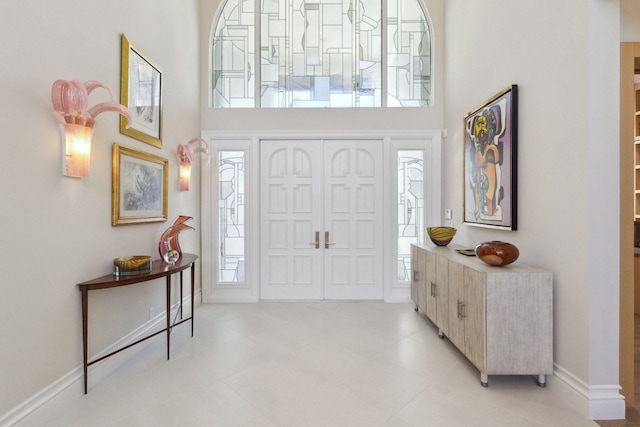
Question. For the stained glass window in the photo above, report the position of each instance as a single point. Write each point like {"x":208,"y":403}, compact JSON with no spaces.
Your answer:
{"x":321,"y":53}
{"x":231,"y":216}
{"x":234,"y":56}
{"x":408,"y":55}
{"x":410,"y":207}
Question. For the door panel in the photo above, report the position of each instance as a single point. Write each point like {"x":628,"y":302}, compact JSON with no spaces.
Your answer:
{"x":353,"y":215}
{"x":442,"y":294}
{"x":291,"y":207}
{"x":430,"y":284}
{"x":456,"y":298}
{"x":475,"y":320}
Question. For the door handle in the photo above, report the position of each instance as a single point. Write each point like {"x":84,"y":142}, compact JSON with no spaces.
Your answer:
{"x":317,"y":242}
{"x":326,"y":240}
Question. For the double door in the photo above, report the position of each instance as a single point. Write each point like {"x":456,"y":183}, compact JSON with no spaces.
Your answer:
{"x":321,"y":220}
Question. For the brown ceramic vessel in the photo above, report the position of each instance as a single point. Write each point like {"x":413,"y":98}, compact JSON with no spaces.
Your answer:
{"x":497,"y":253}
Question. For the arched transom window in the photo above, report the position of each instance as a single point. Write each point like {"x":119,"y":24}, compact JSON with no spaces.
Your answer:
{"x":321,"y":53}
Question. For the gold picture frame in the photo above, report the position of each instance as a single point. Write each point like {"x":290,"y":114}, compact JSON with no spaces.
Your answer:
{"x":141,"y":92}
{"x":139,"y":187}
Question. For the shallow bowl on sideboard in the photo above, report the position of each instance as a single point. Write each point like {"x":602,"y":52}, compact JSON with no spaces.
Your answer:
{"x":441,"y":236}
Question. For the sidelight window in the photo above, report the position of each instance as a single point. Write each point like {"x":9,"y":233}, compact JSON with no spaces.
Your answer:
{"x":231,"y":232}
{"x":410,"y":207}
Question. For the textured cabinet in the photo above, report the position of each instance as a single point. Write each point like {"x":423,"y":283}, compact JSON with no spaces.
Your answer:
{"x":417,"y":279}
{"x":466,"y":312}
{"x":437,"y":273}
{"x":429,"y":286}
{"x":500,"y":318}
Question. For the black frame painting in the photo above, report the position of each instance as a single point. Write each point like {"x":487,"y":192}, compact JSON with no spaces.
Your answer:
{"x":490,"y":162}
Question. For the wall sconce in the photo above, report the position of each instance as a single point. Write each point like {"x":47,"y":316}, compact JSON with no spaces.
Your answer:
{"x":70,"y":99}
{"x":185,"y":158}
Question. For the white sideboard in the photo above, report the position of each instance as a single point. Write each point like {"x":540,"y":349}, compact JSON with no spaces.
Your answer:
{"x":500,"y":318}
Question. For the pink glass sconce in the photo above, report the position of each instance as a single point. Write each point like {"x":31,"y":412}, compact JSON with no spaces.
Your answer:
{"x":186,"y":154}
{"x":70,"y":100}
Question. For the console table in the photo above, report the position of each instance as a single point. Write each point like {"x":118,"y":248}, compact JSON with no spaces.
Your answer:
{"x":159,"y":269}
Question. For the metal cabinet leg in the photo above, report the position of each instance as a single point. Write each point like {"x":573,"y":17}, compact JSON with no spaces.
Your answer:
{"x":484,"y":380}
{"x":541,"y":380}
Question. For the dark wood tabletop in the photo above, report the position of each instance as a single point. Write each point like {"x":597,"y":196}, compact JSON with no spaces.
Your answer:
{"x":159,"y":269}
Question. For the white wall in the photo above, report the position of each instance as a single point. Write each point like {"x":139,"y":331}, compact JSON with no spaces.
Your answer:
{"x":568,"y":202}
{"x":629,"y":21}
{"x":57,"y":230}
{"x":549,"y":87}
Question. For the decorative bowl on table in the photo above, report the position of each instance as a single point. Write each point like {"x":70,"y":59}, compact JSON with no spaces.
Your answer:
{"x":441,"y":236}
{"x":131,"y":265}
{"x":497,"y":253}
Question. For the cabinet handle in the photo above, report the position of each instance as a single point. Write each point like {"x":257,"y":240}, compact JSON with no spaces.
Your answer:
{"x":415,"y":276}
{"x":433,"y":289}
{"x":461,"y":310}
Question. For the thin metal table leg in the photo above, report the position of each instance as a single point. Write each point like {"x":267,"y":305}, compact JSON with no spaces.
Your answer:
{"x":168,"y":314}
{"x":85,"y":334}
{"x":193,"y":280}
{"x":180,"y":294}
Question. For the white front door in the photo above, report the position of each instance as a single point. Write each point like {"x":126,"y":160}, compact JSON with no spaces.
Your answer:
{"x":353,"y":203}
{"x":291,"y":220}
{"x":321,"y":220}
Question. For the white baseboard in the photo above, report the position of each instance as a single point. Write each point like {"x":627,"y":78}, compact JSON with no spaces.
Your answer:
{"x":597,"y":402}
{"x":72,"y":382}
{"x":398,"y":294}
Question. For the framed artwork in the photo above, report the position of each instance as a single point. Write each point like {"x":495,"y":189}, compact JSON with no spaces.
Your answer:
{"x":490,"y":162}
{"x":139,"y":187}
{"x":141,"y":92}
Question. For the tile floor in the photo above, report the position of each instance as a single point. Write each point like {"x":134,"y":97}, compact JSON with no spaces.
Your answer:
{"x":306,"y":364}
